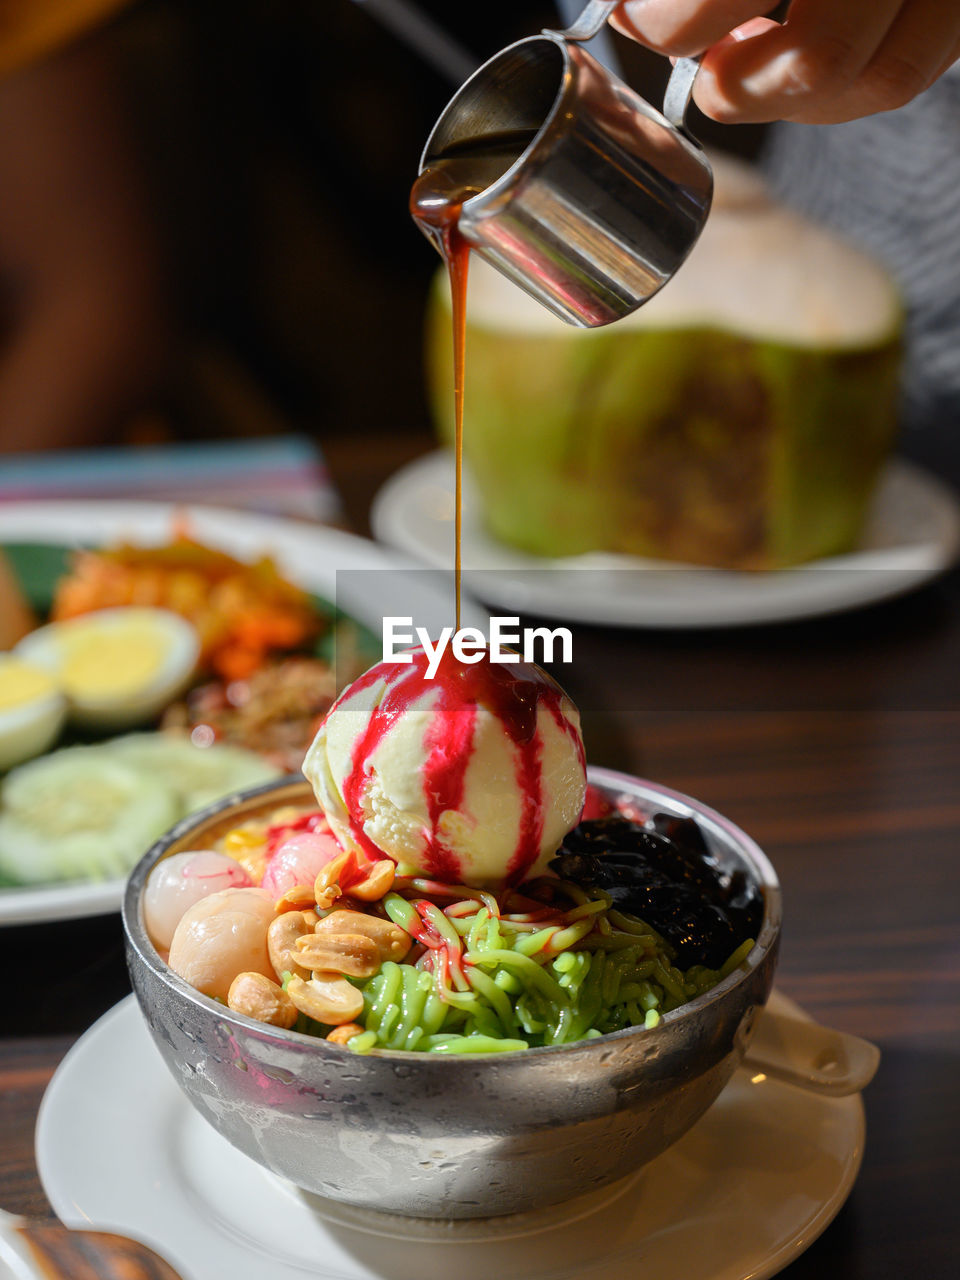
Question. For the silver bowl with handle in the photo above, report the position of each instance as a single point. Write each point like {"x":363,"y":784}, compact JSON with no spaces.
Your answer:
{"x":436,"y":1136}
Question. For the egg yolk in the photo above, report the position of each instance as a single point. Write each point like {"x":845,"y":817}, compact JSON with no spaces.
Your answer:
{"x":21,"y":683}
{"x":111,"y":661}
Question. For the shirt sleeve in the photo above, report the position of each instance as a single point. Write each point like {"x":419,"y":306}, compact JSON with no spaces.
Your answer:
{"x":30,"y":30}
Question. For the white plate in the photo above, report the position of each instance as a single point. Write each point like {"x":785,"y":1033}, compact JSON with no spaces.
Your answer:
{"x":120,"y":1148}
{"x":69,"y":901}
{"x":913,"y":534}
{"x":311,"y":555}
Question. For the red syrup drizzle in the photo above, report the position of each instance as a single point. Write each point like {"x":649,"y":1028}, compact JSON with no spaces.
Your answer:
{"x":449,"y":743}
{"x":511,"y":692}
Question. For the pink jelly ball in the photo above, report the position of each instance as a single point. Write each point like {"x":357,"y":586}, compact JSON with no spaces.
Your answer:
{"x":299,"y":860}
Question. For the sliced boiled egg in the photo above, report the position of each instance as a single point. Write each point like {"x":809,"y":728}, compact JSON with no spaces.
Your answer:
{"x":32,"y":710}
{"x":118,"y":667}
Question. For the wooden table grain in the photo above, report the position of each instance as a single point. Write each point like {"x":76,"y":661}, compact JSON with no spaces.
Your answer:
{"x":836,"y":744}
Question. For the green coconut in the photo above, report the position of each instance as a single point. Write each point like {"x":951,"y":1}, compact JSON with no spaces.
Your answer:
{"x":740,"y":418}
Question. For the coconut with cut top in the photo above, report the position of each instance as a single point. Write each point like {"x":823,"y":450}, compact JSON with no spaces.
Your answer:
{"x":740,"y":418}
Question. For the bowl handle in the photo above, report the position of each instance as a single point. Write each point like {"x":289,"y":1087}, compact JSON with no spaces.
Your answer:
{"x":811,"y":1056}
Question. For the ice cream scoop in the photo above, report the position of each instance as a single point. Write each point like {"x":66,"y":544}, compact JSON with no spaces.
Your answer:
{"x":473,"y":776}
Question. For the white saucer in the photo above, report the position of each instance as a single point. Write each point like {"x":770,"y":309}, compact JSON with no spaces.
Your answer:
{"x":748,"y":1189}
{"x":912,"y":535}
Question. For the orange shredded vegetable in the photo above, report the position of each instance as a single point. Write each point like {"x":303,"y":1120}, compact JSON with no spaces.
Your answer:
{"x":243,"y":612}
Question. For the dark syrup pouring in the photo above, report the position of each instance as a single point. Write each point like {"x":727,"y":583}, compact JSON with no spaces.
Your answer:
{"x":436,"y":201}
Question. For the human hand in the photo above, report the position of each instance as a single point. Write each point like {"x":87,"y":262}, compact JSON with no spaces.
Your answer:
{"x":831,"y":60}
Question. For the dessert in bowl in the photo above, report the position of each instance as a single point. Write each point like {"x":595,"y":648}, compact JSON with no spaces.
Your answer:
{"x":455,"y":1127}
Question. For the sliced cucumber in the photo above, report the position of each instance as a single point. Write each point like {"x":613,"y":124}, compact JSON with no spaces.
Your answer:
{"x":199,"y":775}
{"x":90,"y":812}
{"x":80,"y":813}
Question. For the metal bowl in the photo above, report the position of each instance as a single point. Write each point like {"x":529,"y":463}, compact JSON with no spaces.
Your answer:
{"x":452,"y":1137}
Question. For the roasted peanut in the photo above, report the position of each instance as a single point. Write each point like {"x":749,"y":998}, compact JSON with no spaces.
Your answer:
{"x":310,"y":918}
{"x":299,"y":898}
{"x":258,"y":997}
{"x":327,"y":998}
{"x":342,"y":904}
{"x":346,"y":1031}
{"x":282,"y":938}
{"x":377,"y":880}
{"x":350,"y":953}
{"x":326,"y":887}
{"x":392,"y":942}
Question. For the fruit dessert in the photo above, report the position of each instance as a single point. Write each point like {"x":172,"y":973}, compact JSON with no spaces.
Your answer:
{"x":459,"y":889}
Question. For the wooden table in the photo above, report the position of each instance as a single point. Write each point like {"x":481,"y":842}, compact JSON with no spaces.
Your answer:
{"x":836,"y":744}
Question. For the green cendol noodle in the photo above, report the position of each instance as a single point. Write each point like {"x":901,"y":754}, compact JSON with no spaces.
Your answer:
{"x":492,"y":982}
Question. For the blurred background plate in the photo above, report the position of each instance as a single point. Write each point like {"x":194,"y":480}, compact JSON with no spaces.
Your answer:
{"x":912,"y":535}
{"x":362,"y":580}
{"x":35,"y":904}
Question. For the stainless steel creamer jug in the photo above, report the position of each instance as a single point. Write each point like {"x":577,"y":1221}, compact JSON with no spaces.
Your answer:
{"x":601,"y":197}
